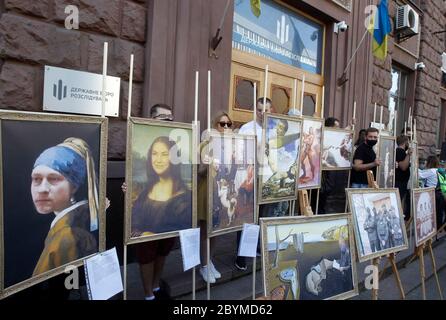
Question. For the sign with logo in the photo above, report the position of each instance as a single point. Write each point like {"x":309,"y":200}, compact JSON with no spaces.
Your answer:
{"x":72,"y":91}
{"x":278,"y":33}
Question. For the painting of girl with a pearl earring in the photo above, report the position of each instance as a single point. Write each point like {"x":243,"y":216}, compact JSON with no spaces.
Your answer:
{"x":53,"y":206}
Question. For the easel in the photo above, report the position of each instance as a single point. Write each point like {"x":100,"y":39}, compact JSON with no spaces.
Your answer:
{"x":391,"y":257}
{"x":304,"y":204}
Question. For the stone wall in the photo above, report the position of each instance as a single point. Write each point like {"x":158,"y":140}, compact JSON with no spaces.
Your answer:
{"x":427,"y":96}
{"x":32,"y":34}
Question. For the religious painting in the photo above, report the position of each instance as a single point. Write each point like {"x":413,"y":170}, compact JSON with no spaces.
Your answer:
{"x":337,"y":149}
{"x":386,"y":171}
{"x":279,"y":161}
{"x":310,"y":156}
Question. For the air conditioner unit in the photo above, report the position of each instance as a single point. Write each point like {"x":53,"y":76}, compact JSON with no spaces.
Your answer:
{"x":407,"y":21}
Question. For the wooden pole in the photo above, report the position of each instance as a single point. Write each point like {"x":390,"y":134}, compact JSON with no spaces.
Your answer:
{"x":375,"y":263}
{"x":422,"y":272}
{"x":397,"y":275}
{"x":125,"y":271}
{"x":197,"y":77}
{"x":255,"y":108}
{"x":381,"y":118}
{"x":302,"y":95}
{"x":254,"y":269}
{"x":317,"y":202}
{"x":208,"y":251}
{"x":209,"y":101}
{"x":266,"y":88}
{"x":323,"y":102}
{"x":129,"y":106}
{"x":104,"y":78}
{"x":434,"y":266}
{"x":374,"y":114}
{"x":295,"y":95}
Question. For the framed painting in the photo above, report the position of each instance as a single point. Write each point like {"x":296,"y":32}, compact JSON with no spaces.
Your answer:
{"x":231,"y":182}
{"x":161,"y":180}
{"x":379,"y":222}
{"x":279,"y":158}
{"x":337,"y":149}
{"x":310,"y":155}
{"x":308,"y":258}
{"x":425,"y":214}
{"x":52,"y":195}
{"x":386,"y":171}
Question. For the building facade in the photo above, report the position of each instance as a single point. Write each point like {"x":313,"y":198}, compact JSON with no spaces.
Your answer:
{"x":171,"y":40}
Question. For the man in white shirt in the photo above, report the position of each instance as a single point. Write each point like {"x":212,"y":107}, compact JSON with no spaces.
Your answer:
{"x":252,"y":128}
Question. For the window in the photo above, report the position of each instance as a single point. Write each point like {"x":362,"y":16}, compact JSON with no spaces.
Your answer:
{"x":398,"y":99}
{"x":278,"y":33}
{"x":346,"y":4}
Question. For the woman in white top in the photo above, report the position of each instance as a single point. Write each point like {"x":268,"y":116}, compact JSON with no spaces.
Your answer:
{"x":429,"y":175}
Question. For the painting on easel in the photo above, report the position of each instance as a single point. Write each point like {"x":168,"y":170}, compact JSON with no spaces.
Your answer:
{"x":379,"y":223}
{"x":310,"y":157}
{"x":386,"y":171}
{"x":337,"y":149}
{"x":280,"y":156}
{"x":308,"y":258}
{"x":424,"y":214}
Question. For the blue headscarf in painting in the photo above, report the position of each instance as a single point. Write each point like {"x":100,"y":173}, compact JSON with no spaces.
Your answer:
{"x":74,"y":161}
{"x":65,"y":161}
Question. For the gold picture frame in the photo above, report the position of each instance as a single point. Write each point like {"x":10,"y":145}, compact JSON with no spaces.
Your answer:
{"x":326,"y":148}
{"x":431,"y":191}
{"x":235,"y":138}
{"x":159,"y":125}
{"x":297,"y":121}
{"x":337,"y":225}
{"x":319,"y":162}
{"x":381,"y":144}
{"x":41,"y":119}
{"x":359,"y":212}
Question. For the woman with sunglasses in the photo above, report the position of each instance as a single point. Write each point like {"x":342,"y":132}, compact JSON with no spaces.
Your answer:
{"x":222,"y":123}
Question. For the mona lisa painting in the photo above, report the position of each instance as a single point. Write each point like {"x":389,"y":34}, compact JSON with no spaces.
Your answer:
{"x":52,"y":210}
{"x":161,"y":180}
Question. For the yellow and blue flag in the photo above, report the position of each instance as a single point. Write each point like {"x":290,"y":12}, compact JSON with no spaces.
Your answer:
{"x":380,"y":29}
{"x":255,"y":7}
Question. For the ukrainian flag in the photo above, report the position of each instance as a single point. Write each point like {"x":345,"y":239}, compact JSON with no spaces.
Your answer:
{"x":380,"y":28}
{"x":255,"y":7}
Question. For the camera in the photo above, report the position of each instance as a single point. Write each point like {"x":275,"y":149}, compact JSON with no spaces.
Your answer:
{"x":420,"y":66}
{"x":340,"y":26}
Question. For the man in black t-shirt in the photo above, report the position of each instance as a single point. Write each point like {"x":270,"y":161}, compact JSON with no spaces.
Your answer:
{"x":402,"y":172}
{"x":365,"y":159}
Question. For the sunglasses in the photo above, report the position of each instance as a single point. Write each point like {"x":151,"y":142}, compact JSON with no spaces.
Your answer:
{"x":223,"y":124}
{"x":164,"y":117}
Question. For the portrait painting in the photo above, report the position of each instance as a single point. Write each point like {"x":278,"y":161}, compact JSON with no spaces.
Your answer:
{"x":231,"y":182}
{"x":53,"y":195}
{"x":386,"y":171}
{"x":310,"y":156}
{"x":308,"y":258}
{"x":280,"y":158}
{"x":424,"y":214}
{"x":379,"y":222}
{"x":337,"y":149}
{"x":161,"y":177}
